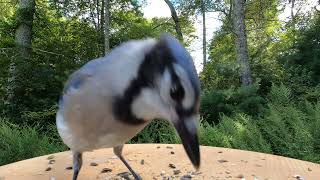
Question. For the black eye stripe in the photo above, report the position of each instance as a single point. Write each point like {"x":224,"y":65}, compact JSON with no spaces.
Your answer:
{"x":177,"y":92}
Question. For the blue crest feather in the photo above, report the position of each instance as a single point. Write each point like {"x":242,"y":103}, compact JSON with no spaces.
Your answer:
{"x":182,"y":57}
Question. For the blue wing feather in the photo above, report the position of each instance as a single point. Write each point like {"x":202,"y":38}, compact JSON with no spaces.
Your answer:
{"x":79,"y":77}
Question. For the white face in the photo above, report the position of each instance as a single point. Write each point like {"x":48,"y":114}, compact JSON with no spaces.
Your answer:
{"x":169,"y":95}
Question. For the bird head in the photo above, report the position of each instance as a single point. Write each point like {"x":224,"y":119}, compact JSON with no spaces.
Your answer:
{"x":170,"y":90}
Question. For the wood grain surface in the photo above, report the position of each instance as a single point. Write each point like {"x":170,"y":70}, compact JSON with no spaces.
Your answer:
{"x":164,"y":161}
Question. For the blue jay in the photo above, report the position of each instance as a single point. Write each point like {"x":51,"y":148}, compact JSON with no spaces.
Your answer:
{"x":110,"y":99}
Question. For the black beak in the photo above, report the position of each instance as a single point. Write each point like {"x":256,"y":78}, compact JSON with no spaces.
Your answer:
{"x":190,"y":143}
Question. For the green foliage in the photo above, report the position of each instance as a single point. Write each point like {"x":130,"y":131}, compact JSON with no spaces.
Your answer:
{"x":220,"y":75}
{"x":243,"y":99}
{"x":289,"y":128}
{"x":280,"y":95}
{"x":238,"y":132}
{"x":313,"y":120}
{"x":7,"y":10}
{"x":285,"y":127}
{"x":158,"y":131}
{"x":263,"y":34}
{"x":213,"y":104}
{"x":60,"y":45}
{"x":306,"y":52}
{"x":22,"y":142}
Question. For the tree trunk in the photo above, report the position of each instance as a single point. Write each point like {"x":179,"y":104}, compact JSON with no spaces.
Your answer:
{"x":204,"y":39}
{"x":106,"y":26}
{"x":102,"y":27}
{"x":241,"y":41}
{"x":23,"y":36}
{"x":292,"y":9}
{"x":175,"y":19}
{"x":98,"y":13}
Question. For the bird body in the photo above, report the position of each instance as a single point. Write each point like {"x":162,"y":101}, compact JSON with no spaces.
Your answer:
{"x":110,"y":99}
{"x":87,"y":104}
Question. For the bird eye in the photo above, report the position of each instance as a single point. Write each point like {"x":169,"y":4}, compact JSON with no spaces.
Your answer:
{"x":177,"y":92}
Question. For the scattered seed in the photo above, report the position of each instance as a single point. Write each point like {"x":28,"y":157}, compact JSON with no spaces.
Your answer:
{"x":309,"y":169}
{"x":176,"y":172}
{"x":142,"y":162}
{"x":124,"y":175}
{"x":186,"y":177}
{"x":50,"y":157}
{"x":162,"y":173}
{"x":69,"y":168}
{"x":158,"y":147}
{"x":240,"y":176}
{"x":171,"y":152}
{"x":106,"y":170}
{"x":222,"y":161}
{"x":244,"y":161}
{"x":48,"y":169}
{"x":172,"y":166}
{"x":93,"y":164}
{"x":219,"y":151}
{"x":196,"y":173}
{"x":263,"y":159}
{"x":169,"y":147}
{"x":228,"y":172}
{"x":298,"y":177}
{"x":52,"y":161}
{"x":258,"y":165}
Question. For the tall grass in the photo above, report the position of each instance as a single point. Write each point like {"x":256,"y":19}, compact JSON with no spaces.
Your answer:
{"x":287,"y":127}
{"x":234,"y":132}
{"x":18,"y":143}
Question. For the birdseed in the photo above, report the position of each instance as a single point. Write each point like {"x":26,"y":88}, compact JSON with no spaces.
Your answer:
{"x":69,"y":168}
{"x":222,"y":161}
{"x":124,"y":175}
{"x":240,"y":176}
{"x":52,"y":161}
{"x":106,"y":170}
{"x":50,"y":157}
{"x":93,"y":164}
{"x":309,"y":169}
{"x":162,"y":173}
{"x":172,"y":166}
{"x":176,"y":172}
{"x":186,"y":177}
